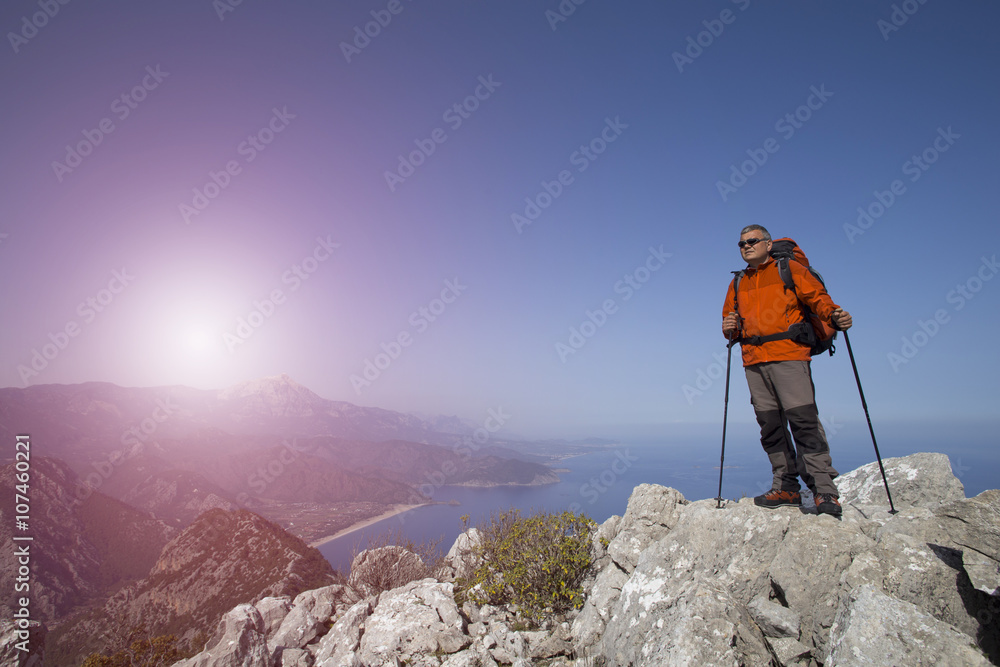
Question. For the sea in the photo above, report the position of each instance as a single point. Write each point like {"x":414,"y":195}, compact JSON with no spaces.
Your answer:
{"x":598,"y":484}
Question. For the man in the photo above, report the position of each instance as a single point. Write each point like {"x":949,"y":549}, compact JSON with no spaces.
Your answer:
{"x":778,"y":371}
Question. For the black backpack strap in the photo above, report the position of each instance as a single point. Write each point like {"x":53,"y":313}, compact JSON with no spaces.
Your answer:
{"x":786,"y":274}
{"x":800,"y":332}
{"x":737,"y":275}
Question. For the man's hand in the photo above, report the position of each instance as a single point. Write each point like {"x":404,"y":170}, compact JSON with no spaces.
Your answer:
{"x":842,"y":319}
{"x":730,"y":324}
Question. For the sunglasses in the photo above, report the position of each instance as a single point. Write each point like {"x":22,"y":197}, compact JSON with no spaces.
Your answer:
{"x":749,"y":242}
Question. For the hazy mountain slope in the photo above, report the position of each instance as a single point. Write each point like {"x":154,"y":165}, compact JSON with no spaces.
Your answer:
{"x":222,"y":559}
{"x":416,"y":463}
{"x":282,"y":473}
{"x":177,"y":497}
{"x":79,"y":421}
{"x":84,"y":543}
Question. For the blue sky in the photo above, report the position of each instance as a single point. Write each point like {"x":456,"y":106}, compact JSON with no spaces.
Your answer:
{"x":201,"y":88}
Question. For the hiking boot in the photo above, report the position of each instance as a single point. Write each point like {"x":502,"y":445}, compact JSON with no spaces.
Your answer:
{"x":773,"y":499}
{"x":827,"y":503}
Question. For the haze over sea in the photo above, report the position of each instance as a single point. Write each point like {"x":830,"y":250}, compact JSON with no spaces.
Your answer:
{"x":598,"y":484}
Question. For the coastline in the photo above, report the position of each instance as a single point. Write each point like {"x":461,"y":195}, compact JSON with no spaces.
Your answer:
{"x":396,"y":509}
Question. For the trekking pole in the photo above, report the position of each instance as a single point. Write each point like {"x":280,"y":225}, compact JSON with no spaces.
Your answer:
{"x":864,"y":404}
{"x":725,"y":416}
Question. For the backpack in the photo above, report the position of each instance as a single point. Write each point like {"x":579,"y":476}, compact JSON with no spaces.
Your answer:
{"x":814,"y":332}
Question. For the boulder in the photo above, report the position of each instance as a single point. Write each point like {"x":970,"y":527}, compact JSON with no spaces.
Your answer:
{"x":338,"y":647}
{"x":910,"y":569}
{"x":471,"y":657}
{"x":415,"y":621}
{"x":239,"y":641}
{"x":652,"y":511}
{"x":461,"y":561}
{"x":917,"y":480}
{"x":310,"y":614}
{"x":790,"y":652}
{"x":735,"y":545}
{"x":293,"y":657}
{"x":872,"y":628}
{"x":974,"y":527}
{"x":589,"y":625}
{"x":696,"y":622}
{"x":384,"y":568}
{"x":774,"y":620}
{"x":807,"y":568}
{"x":273,"y":611}
{"x":601,"y":539}
{"x":505,"y":645}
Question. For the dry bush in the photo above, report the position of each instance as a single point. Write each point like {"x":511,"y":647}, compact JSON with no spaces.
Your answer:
{"x":391,"y":560}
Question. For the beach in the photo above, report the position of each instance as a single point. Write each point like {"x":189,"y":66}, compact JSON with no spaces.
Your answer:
{"x":396,"y":509}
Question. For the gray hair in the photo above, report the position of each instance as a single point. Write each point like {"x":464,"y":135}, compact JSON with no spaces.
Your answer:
{"x":756,"y":228}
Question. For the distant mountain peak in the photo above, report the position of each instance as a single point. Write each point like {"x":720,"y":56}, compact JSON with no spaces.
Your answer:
{"x":282,"y":382}
{"x":279,"y":395}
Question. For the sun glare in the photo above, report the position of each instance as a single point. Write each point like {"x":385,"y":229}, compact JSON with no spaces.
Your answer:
{"x":198,"y":339}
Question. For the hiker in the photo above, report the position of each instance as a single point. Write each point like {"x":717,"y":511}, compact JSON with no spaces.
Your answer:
{"x":778,"y":370}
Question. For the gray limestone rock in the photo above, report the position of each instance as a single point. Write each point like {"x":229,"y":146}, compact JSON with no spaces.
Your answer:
{"x":589,"y":625}
{"x":790,"y":652}
{"x":909,"y":569}
{"x":294,"y":657}
{"x":686,"y":622}
{"x":775,"y":621}
{"x":601,"y":539}
{"x":461,"y":561}
{"x":872,"y":628}
{"x":974,"y":527}
{"x":917,"y":480}
{"x":807,"y":570}
{"x":310,"y":615}
{"x":239,"y":641}
{"x":273,"y":611}
{"x":419,"y":619}
{"x":338,"y":647}
{"x":652,"y":511}
{"x":475,"y":656}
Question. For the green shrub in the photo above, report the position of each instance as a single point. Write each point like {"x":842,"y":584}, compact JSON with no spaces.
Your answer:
{"x":536,"y":563}
{"x":151,"y":652}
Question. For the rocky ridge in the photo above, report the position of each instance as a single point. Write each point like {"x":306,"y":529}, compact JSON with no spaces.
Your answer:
{"x":676,"y":582}
{"x":220,"y":560}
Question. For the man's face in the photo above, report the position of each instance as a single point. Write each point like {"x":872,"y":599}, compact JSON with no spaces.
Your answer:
{"x":755,"y":253}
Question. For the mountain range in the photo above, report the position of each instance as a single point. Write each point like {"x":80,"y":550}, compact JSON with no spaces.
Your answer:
{"x":123,"y":481}
{"x":176,"y":451}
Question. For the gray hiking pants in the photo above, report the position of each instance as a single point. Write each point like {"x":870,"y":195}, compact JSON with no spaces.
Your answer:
{"x":783,"y":396}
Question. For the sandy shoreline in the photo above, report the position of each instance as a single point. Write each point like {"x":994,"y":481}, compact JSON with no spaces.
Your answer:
{"x":396,"y":509}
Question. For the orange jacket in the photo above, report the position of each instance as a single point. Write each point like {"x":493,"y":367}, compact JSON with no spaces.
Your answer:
{"x":768,"y":307}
